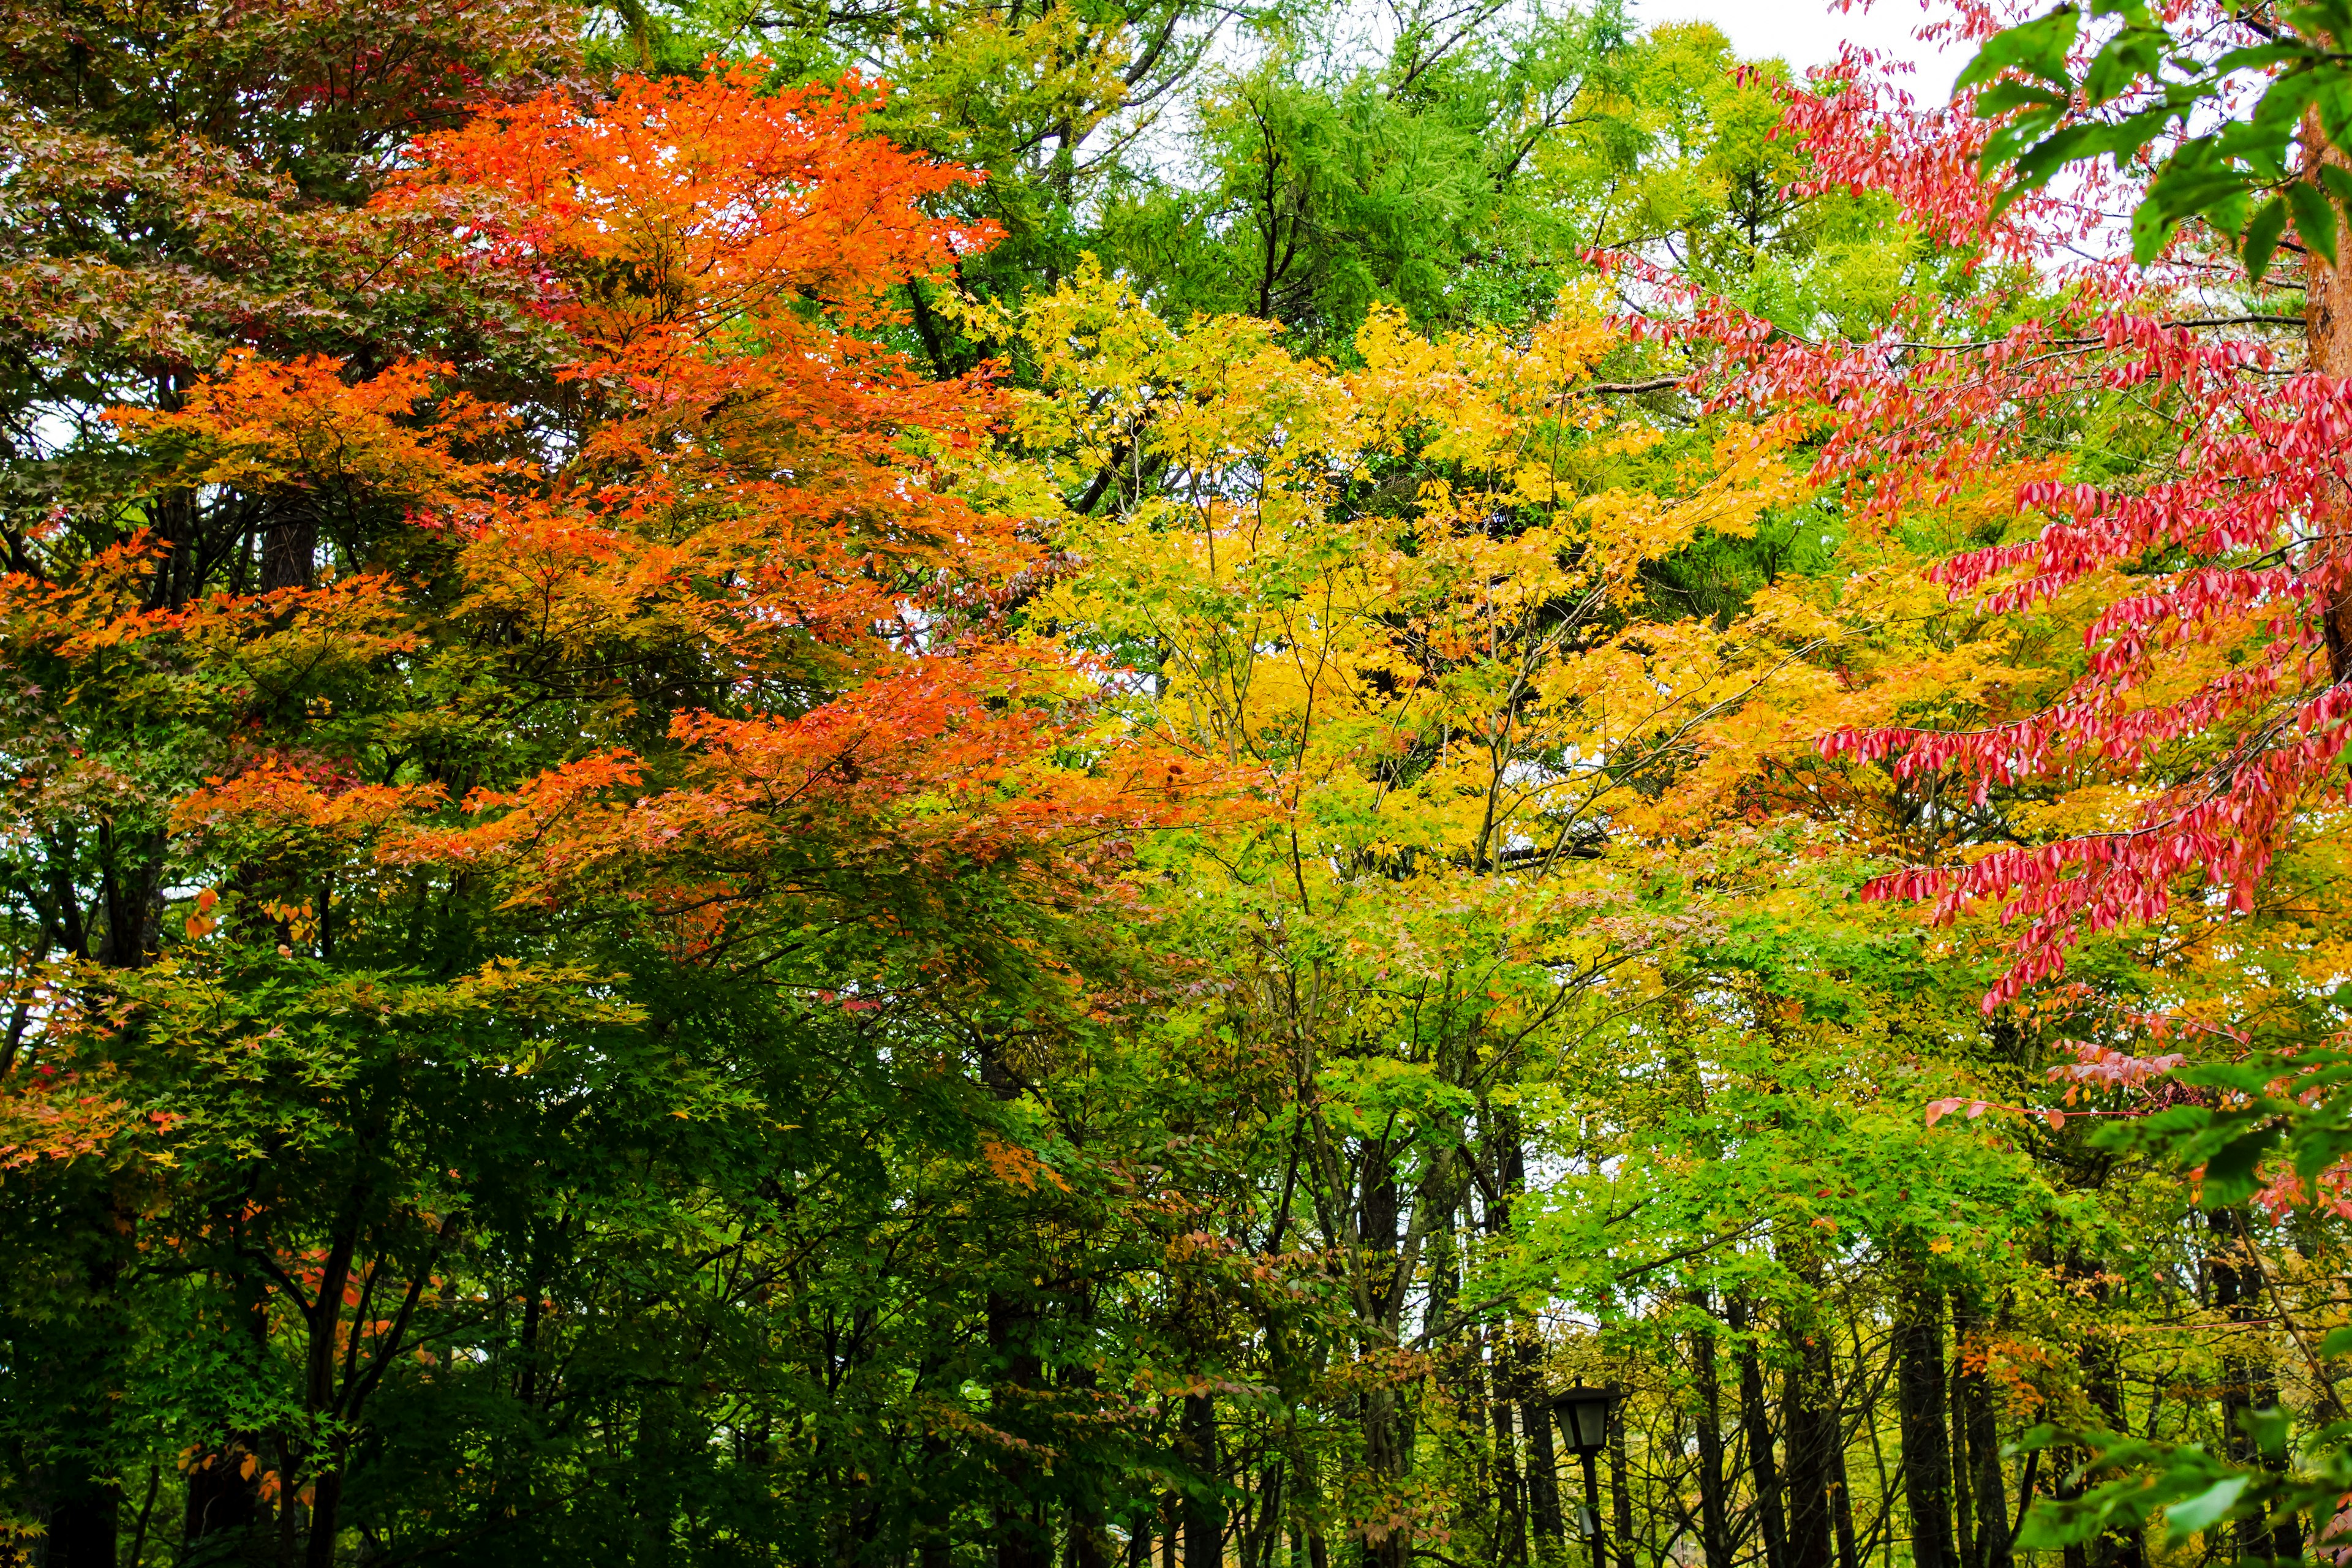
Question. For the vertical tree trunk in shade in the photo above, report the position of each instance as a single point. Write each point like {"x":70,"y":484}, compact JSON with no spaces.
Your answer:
{"x":2120,"y":1548}
{"x":76,"y":1374}
{"x":1706,"y":1393}
{"x":1204,"y":1514}
{"x":1926,"y":1444}
{"x":1386,"y":1426}
{"x":2066,"y":1463}
{"x":1978,"y":1422}
{"x":1510,"y":1500}
{"x":1543,"y":1459}
{"x":1964,"y":1537}
{"x":1020,"y":1543}
{"x":1756,"y":1424}
{"x":2249,"y":1384}
{"x":1170,"y":1513}
{"x":1811,"y":1401}
{"x":2328,"y":350}
{"x":289,"y":551}
{"x":1621,"y":1483}
{"x":935,"y":1543}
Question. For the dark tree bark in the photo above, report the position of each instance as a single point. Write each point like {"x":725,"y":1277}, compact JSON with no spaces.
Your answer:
{"x":1021,"y":1538}
{"x":1543,"y":1459}
{"x":289,"y":551}
{"x":223,"y":1519}
{"x":1926,"y":1444}
{"x":1755,"y":1424}
{"x":1814,"y":1437}
{"x":1204,"y":1515}
{"x":1714,"y":1524}
{"x":1620,"y":1489}
{"x":1975,"y":1419}
{"x":1510,"y":1500}
{"x":2249,"y":1382}
{"x":1388,"y":1438}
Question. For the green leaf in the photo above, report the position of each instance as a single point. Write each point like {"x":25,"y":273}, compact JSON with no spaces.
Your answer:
{"x":2128,"y":57}
{"x":2314,"y":219}
{"x":2003,"y":97}
{"x":2206,"y":1506}
{"x":2150,"y":230}
{"x":2038,"y":47}
{"x":2334,"y":103}
{"x":2263,"y":234}
{"x":2337,"y":1341}
{"x":2229,"y":1173}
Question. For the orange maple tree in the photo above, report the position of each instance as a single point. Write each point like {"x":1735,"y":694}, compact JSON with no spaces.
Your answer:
{"x":693,"y":643}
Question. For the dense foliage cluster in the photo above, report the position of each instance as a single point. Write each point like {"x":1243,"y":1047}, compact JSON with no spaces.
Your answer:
{"x":975,"y":785}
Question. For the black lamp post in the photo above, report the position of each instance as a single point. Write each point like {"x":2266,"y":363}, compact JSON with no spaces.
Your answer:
{"x":1583,"y":1414}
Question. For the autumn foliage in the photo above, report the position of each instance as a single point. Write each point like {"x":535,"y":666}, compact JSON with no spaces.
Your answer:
{"x":759,"y":811}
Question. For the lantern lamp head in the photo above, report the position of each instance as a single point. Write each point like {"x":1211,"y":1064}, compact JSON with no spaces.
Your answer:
{"x":1584,"y":1416}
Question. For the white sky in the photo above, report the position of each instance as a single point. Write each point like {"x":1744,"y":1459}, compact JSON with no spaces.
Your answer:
{"x":1807,"y":33}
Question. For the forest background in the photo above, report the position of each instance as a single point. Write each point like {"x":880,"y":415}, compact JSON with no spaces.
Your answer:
{"x":943,"y":783}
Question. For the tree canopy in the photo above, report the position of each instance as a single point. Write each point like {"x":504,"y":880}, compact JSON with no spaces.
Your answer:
{"x":978,"y":786}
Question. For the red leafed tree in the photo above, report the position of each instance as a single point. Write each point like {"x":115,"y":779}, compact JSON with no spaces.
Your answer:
{"x":2233,"y":543}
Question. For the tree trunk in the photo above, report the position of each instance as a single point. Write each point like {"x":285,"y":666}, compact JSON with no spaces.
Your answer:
{"x":1021,"y":1542}
{"x":935,"y":1545}
{"x":1813,"y":1443}
{"x":1621,"y":1487}
{"x":2327,"y":342}
{"x":1978,"y":1423}
{"x":222,"y":1522}
{"x":2249,"y":1384}
{"x":1927,"y":1452}
{"x":1386,"y":1426}
{"x":1715,"y":1527}
{"x":1204,"y":1514}
{"x":1089,"y":1536}
{"x":289,"y":549}
{"x":1756,"y":1424}
{"x":1510,"y":1502}
{"x":1543,"y":1459}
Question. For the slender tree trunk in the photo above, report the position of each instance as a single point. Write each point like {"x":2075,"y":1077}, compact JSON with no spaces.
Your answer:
{"x":1090,"y":1537}
{"x":1813,"y":1441}
{"x":1543,"y":1459}
{"x":1020,"y":1543}
{"x":2249,"y":1384}
{"x":1204,"y":1514}
{"x":1927,"y":1452}
{"x":1964,"y":1535}
{"x":1715,"y":1527}
{"x":1978,"y":1423}
{"x":1755,"y":1423}
{"x":935,"y":1546}
{"x":2328,"y":342}
{"x":1510,"y":1502}
{"x":77,"y":1375}
{"x":1621,"y":1484}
